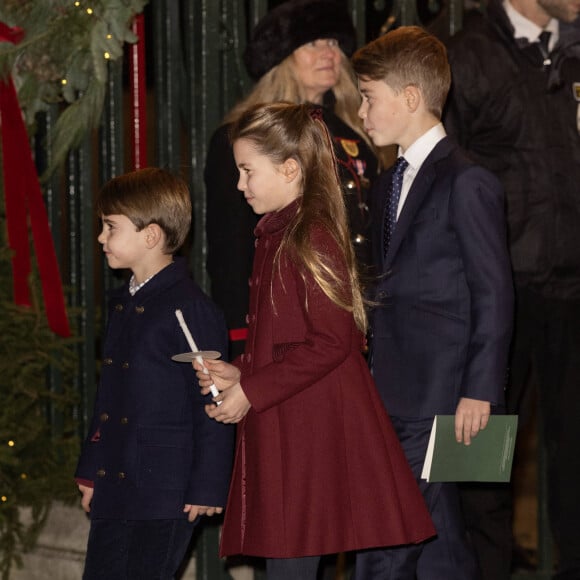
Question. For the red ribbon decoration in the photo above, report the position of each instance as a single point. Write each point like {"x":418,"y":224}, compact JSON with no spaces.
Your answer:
{"x":138,"y":94}
{"x":24,"y":198}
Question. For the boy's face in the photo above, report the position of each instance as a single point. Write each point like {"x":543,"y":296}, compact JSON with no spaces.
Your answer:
{"x":123,"y":245}
{"x":264,"y":184}
{"x":384,"y":113}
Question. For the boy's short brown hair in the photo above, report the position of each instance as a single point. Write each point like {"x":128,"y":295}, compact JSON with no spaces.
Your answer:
{"x":407,"y":56}
{"x":150,"y":196}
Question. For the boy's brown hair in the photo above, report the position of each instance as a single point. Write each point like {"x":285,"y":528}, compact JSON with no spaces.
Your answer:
{"x":150,"y":196}
{"x":407,"y":56}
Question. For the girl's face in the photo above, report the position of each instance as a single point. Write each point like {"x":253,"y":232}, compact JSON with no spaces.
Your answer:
{"x":123,"y":245}
{"x":267,"y":187}
{"x":317,"y":67}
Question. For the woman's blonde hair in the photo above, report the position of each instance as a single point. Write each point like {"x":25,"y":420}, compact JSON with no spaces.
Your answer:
{"x":283,"y":131}
{"x":280,"y":84}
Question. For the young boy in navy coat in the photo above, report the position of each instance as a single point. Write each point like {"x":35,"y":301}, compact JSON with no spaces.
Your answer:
{"x":443,"y":317}
{"x":153,"y":461}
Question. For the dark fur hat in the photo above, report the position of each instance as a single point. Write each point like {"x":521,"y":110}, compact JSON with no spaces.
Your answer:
{"x":294,"y":23}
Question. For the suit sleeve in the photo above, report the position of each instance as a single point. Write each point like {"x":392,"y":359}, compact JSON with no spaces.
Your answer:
{"x":477,"y":213}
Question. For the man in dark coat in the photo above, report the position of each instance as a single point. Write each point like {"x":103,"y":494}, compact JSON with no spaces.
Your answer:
{"x":515,"y":106}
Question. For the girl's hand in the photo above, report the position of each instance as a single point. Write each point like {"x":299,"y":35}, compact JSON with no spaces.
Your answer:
{"x":234,"y":406}
{"x":220,"y":373}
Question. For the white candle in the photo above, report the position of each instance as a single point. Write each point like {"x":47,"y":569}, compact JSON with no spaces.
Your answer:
{"x":193,"y":347}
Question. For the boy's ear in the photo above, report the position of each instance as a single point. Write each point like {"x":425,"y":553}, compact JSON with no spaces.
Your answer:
{"x":290,"y":169}
{"x":413,"y":97}
{"x":153,"y":235}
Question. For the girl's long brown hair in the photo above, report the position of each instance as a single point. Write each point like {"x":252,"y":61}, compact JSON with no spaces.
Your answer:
{"x":282,"y":131}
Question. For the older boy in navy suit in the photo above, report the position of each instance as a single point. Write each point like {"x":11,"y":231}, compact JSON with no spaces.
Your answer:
{"x":153,"y":462}
{"x":443,"y":317}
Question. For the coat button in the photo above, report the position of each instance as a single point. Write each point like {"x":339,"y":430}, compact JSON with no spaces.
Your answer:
{"x":124,"y":420}
{"x":107,"y":361}
{"x":350,"y":186}
{"x":101,"y":473}
{"x":125,"y":365}
{"x":139,"y":309}
{"x":118,"y":307}
{"x":249,"y":356}
{"x":122,"y":475}
{"x":247,"y":319}
{"x":104,"y":417}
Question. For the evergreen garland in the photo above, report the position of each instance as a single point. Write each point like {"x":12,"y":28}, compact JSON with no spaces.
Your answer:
{"x":63,"y":58}
{"x":38,"y":440}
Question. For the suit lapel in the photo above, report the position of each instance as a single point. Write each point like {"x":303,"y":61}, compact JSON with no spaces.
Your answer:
{"x":419,"y":189}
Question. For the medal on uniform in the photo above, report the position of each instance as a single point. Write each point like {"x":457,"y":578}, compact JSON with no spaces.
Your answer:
{"x":350,"y":147}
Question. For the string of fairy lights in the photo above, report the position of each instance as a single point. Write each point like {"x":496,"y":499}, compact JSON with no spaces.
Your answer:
{"x":4,"y":498}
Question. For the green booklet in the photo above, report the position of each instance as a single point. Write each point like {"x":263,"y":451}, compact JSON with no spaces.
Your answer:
{"x":489,"y":457}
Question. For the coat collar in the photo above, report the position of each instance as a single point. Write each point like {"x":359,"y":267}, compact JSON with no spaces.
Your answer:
{"x":568,"y":45}
{"x":172,"y":273}
{"x":277,"y":221}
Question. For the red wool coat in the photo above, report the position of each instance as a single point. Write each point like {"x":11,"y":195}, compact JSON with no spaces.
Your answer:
{"x":318,"y":467}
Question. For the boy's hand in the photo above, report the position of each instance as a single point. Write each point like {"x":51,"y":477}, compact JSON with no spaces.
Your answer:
{"x":200,"y":510}
{"x":87,"y":496}
{"x":471,"y":416}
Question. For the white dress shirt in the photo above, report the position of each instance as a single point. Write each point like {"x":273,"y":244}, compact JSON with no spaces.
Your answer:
{"x":415,"y":156}
{"x":524,"y":28}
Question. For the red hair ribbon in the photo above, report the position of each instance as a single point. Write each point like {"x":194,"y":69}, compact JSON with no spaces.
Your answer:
{"x":316,"y":113}
{"x":24,"y":199}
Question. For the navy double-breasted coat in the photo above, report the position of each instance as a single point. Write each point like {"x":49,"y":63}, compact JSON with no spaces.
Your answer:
{"x":151,"y":448}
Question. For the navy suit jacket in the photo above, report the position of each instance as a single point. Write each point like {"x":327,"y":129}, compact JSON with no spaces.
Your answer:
{"x":442,"y":323}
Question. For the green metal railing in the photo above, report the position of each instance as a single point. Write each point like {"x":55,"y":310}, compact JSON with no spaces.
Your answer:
{"x":195,"y":75}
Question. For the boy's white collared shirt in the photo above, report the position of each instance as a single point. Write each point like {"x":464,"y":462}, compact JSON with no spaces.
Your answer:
{"x":415,"y":156}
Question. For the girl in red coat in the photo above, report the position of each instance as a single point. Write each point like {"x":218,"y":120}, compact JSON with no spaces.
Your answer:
{"x":315,"y":448}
